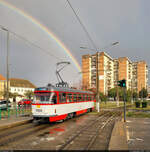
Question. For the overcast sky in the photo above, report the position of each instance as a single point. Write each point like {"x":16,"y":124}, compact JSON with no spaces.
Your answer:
{"x":107,"y":21}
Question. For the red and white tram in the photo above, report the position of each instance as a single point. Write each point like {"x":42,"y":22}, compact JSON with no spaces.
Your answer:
{"x":57,"y":103}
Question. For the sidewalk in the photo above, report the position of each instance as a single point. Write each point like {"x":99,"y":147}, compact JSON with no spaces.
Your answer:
{"x":14,"y":121}
{"x":118,"y":139}
{"x":138,"y":133}
{"x":132,"y":135}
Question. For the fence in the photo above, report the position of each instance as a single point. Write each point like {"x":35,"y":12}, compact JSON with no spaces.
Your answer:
{"x":15,"y":112}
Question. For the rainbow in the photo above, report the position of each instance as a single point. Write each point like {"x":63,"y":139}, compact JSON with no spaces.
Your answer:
{"x":43,"y":28}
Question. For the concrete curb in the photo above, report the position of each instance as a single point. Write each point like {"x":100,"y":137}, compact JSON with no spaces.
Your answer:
{"x":118,"y":139}
{"x":14,"y":124}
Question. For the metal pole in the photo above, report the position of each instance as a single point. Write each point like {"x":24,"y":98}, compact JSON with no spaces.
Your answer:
{"x":7,"y":95}
{"x":132,"y":90}
{"x":117,"y":97}
{"x":97,"y":83}
{"x":124,"y":89}
{"x":142,"y":91}
{"x":7,"y":62}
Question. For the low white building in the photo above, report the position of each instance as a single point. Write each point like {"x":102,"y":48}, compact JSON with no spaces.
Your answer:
{"x":20,"y":86}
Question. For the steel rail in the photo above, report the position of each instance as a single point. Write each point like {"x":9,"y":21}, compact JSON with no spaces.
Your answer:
{"x":16,"y":136}
{"x":100,"y":128}
{"x":83,"y":129}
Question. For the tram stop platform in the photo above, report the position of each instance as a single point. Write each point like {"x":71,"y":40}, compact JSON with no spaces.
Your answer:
{"x":14,"y":121}
{"x":134,"y":134}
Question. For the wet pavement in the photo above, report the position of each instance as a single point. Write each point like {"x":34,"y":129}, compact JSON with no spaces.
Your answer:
{"x":138,"y":133}
{"x":14,"y":121}
{"x":49,"y":136}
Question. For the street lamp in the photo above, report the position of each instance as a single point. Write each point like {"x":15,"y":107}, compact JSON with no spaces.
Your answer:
{"x":7,"y":60}
{"x":97,"y":74}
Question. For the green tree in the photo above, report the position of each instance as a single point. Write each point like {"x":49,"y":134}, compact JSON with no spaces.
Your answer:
{"x":112,"y":93}
{"x":143,"y":93}
{"x":121,"y":93}
{"x":128,"y":95}
{"x":103,"y":97}
{"x":134,"y":95}
{"x":29,"y":94}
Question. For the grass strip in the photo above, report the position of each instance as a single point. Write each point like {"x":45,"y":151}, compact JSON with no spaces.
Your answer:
{"x":138,"y":114}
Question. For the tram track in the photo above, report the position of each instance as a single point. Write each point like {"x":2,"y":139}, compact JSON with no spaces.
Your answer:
{"x":84,"y":139}
{"x":16,"y":129}
{"x":20,"y":134}
{"x":14,"y":134}
{"x":97,"y":131}
{"x":31,"y":132}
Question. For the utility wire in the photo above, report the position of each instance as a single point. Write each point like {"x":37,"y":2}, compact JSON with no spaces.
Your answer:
{"x":85,"y":30}
{"x":35,"y":45}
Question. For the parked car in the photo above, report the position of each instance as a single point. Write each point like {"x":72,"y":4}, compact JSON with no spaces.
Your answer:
{"x":24,"y":102}
{"x":3,"y":104}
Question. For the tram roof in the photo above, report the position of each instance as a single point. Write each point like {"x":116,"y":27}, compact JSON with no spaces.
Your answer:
{"x":64,"y":89}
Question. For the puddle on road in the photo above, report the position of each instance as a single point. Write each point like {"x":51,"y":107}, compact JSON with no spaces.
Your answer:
{"x":43,"y":134}
{"x":59,"y":129}
{"x":55,"y":130}
{"x":52,"y":131}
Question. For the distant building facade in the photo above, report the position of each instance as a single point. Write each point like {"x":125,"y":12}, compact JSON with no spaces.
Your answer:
{"x":111,"y":71}
{"x":20,"y":86}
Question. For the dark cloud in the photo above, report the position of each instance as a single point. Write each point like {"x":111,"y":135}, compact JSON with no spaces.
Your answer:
{"x":106,"y":21}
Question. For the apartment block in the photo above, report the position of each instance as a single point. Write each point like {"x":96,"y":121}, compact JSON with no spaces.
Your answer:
{"x":105,"y":71}
{"x":125,"y":70}
{"x":111,"y":70}
{"x":86,"y":72}
{"x":142,"y":75}
{"x":106,"y":74}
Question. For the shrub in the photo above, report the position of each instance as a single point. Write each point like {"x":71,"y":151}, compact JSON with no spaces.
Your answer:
{"x":137,"y":104}
{"x":144,"y":104}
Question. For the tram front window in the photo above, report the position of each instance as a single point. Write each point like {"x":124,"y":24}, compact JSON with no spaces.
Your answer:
{"x":46,"y":98}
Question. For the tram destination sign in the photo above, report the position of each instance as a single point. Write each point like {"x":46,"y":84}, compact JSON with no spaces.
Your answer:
{"x":41,"y":89}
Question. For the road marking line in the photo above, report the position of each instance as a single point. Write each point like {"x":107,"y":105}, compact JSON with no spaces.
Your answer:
{"x":139,"y":139}
{"x":128,"y":136}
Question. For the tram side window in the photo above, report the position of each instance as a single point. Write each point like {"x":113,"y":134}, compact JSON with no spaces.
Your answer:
{"x":75,"y":98}
{"x":92,"y":97}
{"x":79,"y":97}
{"x":89,"y":97}
{"x":83,"y":97}
{"x":69,"y":97}
{"x":62,"y":97}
